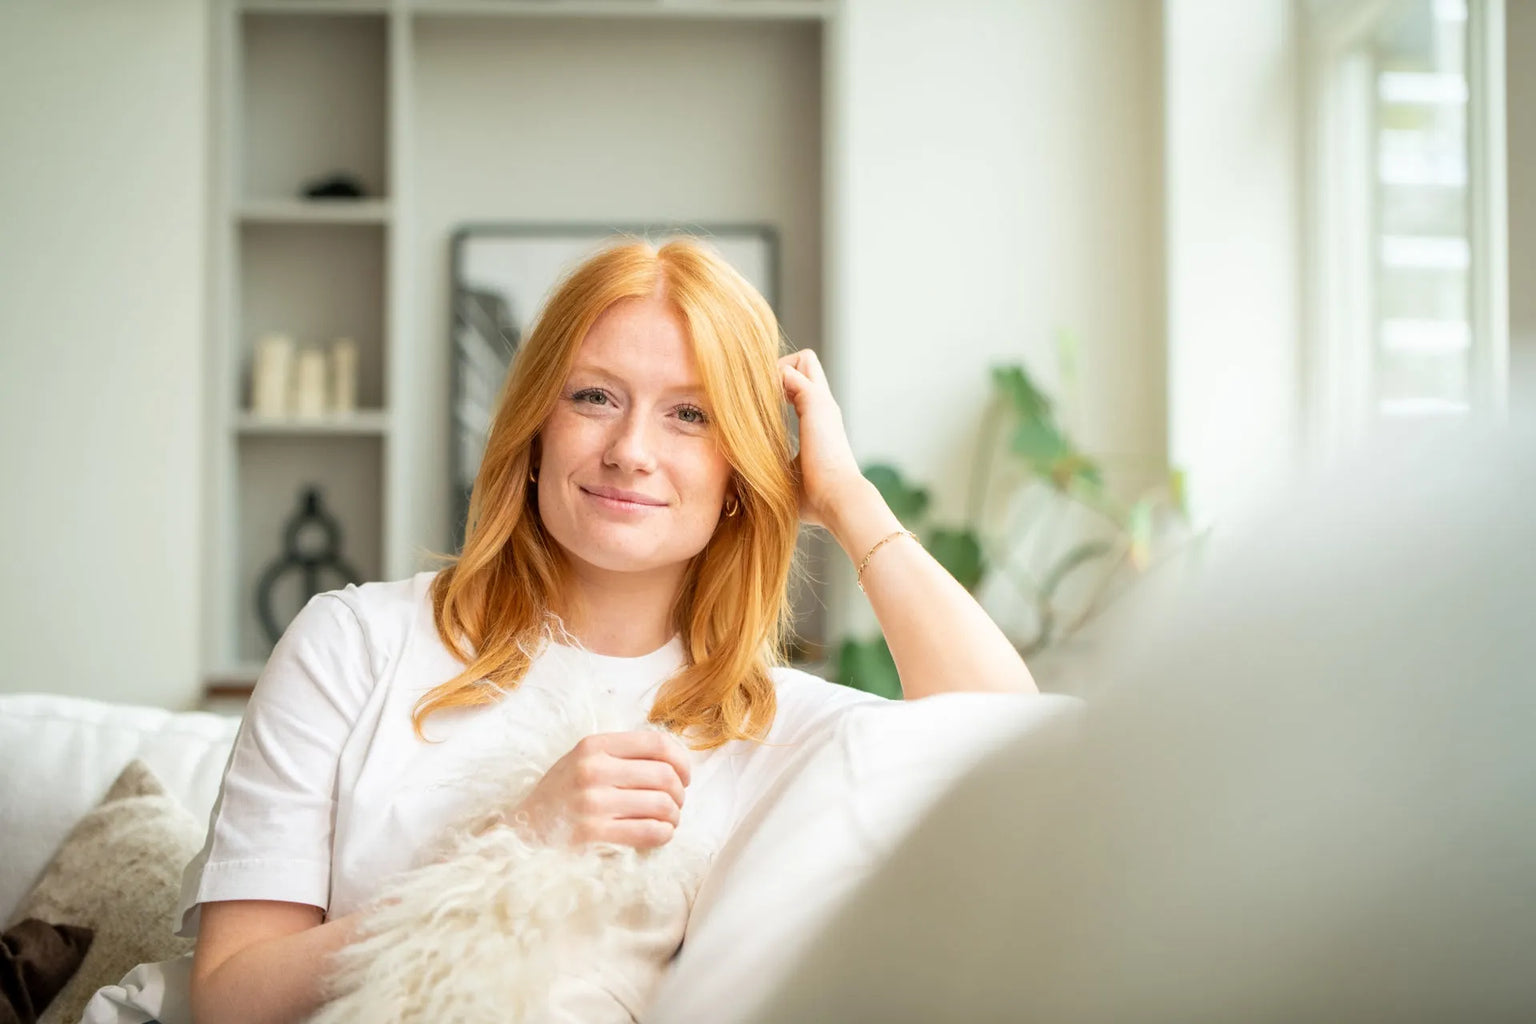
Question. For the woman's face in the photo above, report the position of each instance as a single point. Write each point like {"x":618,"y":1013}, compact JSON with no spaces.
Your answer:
{"x":630,"y":476}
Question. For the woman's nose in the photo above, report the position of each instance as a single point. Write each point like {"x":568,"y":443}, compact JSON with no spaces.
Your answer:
{"x":631,"y":448}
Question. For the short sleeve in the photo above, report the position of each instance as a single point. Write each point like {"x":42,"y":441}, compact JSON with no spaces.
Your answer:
{"x":809,"y":710}
{"x":809,"y":705}
{"x":271,"y":828}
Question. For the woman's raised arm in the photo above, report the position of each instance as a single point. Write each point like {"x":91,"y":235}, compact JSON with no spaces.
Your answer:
{"x":941,"y":640}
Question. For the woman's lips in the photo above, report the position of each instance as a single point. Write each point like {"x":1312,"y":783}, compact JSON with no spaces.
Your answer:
{"x":621,"y":501}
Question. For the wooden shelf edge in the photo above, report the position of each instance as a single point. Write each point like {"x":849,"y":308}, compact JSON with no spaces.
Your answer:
{"x":232,"y":680}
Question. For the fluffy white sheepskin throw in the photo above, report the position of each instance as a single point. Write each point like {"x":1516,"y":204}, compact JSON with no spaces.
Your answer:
{"x":502,"y":928}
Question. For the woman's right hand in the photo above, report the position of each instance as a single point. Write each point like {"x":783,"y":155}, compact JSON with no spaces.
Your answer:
{"x":617,"y":787}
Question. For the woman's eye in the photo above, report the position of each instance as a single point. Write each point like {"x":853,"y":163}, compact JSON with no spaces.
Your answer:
{"x":591,"y":396}
{"x":692,"y":414}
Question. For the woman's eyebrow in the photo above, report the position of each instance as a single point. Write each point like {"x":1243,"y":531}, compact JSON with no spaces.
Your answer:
{"x":592,"y":371}
{"x":692,"y":389}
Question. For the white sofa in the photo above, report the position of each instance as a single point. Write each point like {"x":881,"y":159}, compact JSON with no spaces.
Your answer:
{"x":842,"y":806}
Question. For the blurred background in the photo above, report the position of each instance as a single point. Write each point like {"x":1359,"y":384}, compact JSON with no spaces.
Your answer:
{"x":1092,"y":278}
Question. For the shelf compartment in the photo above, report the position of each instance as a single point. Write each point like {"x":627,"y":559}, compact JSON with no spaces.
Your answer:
{"x":273,"y":472}
{"x":315,"y":282}
{"x":314,"y":89}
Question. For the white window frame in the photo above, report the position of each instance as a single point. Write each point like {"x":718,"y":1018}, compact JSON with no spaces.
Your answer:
{"x":1339,"y":376}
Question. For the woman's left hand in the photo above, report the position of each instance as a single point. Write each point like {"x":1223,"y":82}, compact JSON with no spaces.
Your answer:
{"x":826,"y":464}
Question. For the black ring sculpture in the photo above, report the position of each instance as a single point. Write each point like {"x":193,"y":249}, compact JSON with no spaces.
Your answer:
{"x":324,"y":559}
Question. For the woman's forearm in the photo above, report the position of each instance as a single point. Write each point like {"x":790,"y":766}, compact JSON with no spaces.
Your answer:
{"x":272,"y":981}
{"x":941,"y":639}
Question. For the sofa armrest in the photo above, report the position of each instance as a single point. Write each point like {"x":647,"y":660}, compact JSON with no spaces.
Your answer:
{"x":839,"y":809}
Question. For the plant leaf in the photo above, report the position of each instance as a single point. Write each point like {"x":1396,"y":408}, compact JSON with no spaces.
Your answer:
{"x":867,"y":665}
{"x":1077,"y":468}
{"x":908,"y":502}
{"x":959,"y":552}
{"x":1014,"y":383}
{"x":1040,"y":442}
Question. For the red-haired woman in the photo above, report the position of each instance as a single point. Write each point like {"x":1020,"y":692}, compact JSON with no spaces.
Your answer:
{"x":632,"y":529}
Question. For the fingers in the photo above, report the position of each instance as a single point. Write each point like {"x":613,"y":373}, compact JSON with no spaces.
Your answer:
{"x":623,"y":787}
{"x":623,"y":804}
{"x":634,"y":817}
{"x":795,"y":384}
{"x":804,"y":380}
{"x":806,"y":363}
{"x":641,"y":833}
{"x":648,"y":775}
{"x":810,"y":366}
{"x":643,"y":745}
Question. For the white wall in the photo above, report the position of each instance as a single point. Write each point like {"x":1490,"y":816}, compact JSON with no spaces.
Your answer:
{"x":1520,"y":34}
{"x":101,"y":261}
{"x":1233,"y":226}
{"x":996,"y":171}
{"x":995,"y":174}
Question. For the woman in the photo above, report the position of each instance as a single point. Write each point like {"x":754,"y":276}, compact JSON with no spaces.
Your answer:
{"x":631,"y":529}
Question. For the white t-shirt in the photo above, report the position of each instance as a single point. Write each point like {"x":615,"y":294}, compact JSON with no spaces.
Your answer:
{"x":328,"y":790}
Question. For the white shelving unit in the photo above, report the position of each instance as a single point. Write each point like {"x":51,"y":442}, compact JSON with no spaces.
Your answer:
{"x":308,"y":88}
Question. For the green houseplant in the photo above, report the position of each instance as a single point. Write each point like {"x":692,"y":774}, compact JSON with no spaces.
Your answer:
{"x":1023,"y":450}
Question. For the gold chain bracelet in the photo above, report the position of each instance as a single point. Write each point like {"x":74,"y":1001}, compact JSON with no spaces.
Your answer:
{"x":878,"y":545}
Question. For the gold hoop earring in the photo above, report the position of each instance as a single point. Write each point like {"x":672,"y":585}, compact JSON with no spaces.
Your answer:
{"x":533,"y":474}
{"x":733,"y":507}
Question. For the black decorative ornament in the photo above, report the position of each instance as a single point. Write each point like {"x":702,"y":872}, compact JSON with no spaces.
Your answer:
{"x":335,"y":186}
{"x":311,"y":546}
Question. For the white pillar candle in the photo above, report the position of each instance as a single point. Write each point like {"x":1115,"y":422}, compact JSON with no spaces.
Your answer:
{"x":309,"y":385}
{"x":270,"y":373}
{"x":343,"y":376}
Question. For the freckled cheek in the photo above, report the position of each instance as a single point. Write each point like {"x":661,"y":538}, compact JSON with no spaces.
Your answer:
{"x":572,"y":442}
{"x":702,"y":487}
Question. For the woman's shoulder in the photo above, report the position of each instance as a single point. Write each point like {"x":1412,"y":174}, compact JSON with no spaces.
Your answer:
{"x":376,"y":619}
{"x":387,"y":603}
{"x":806,"y":701}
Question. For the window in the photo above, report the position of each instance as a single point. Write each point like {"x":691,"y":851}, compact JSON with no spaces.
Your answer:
{"x":1406,"y":213}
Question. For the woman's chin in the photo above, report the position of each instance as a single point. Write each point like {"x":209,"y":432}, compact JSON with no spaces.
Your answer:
{"x":622,"y":558}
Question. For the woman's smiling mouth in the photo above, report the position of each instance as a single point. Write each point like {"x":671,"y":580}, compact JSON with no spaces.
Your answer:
{"x":621,"y":500}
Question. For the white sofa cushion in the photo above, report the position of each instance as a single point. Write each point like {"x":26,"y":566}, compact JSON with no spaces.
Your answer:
{"x":834,"y":814}
{"x":58,"y":756}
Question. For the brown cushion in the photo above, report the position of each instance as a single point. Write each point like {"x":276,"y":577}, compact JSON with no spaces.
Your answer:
{"x":119,"y":874}
{"x":36,"y":959}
